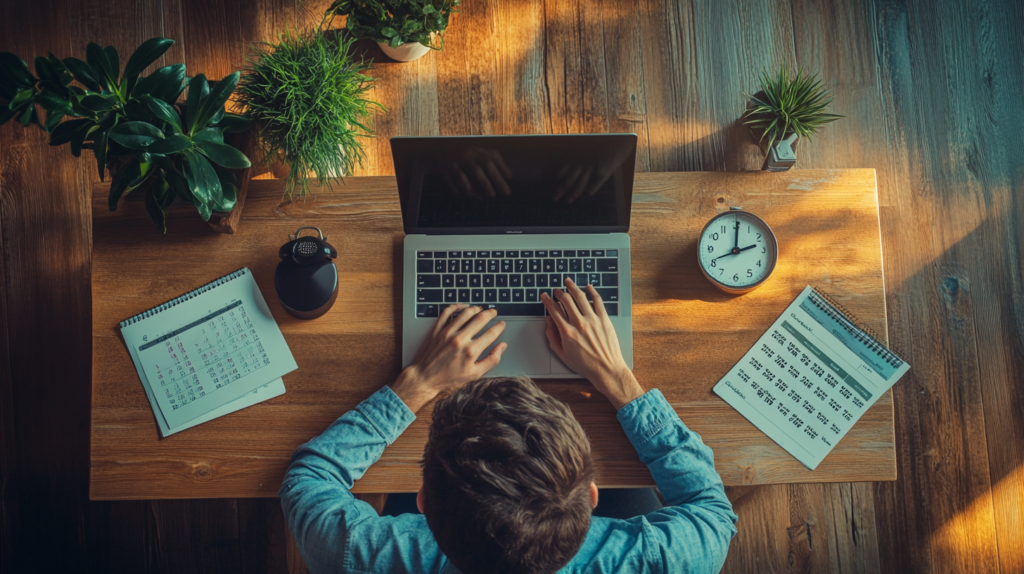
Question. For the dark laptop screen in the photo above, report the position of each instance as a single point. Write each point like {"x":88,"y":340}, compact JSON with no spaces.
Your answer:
{"x":515,"y":184}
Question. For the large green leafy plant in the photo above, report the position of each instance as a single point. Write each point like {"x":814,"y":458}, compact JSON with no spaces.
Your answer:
{"x":133,"y":123}
{"x":307,"y":94}
{"x":396,"y":22}
{"x":787,"y":105}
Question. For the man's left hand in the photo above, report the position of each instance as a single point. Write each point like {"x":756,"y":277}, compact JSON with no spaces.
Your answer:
{"x":448,"y":358}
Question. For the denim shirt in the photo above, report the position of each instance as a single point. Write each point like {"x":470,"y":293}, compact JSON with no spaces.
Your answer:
{"x":337,"y":533}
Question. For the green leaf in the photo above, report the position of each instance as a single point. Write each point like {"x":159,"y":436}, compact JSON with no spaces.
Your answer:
{"x":98,"y":103}
{"x":146,"y":54}
{"x":51,"y":101}
{"x":224,"y":155}
{"x":101,"y":66}
{"x":219,"y":94}
{"x":115,"y":64}
{"x":119,"y":183}
{"x":210,"y":135}
{"x":64,"y":132}
{"x":395,"y":42}
{"x":202,"y":179}
{"x":22,"y":97}
{"x":83,"y":73}
{"x":100,"y":150}
{"x":136,"y":135}
{"x":163,"y":84}
{"x":16,"y":70}
{"x":233,"y":123}
{"x":78,"y":139}
{"x":389,"y":32}
{"x":163,"y":110}
{"x":53,"y":118}
{"x":428,"y":9}
{"x":172,"y":144}
{"x":26,"y":117}
{"x":198,"y":89}
{"x":205,"y":208}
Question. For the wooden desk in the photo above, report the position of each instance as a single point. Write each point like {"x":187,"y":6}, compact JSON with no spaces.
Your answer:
{"x":687,"y":334}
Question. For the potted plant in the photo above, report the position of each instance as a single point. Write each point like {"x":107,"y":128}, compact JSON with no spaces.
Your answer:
{"x":134,"y":124}
{"x":785,"y":109}
{"x":405,"y":29}
{"x":307,"y":95}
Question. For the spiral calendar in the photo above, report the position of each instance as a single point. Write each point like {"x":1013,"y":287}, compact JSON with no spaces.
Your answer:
{"x":810,"y":377}
{"x":209,"y":352}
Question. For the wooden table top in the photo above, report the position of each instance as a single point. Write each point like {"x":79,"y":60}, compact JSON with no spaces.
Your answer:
{"x":687,"y":334}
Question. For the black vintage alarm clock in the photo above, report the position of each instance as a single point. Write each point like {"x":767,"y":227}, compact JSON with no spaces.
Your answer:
{"x":307,"y":278}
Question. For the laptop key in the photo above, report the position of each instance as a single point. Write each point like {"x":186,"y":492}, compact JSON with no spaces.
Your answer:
{"x":467,"y":265}
{"x":528,"y":281}
{"x":469,"y":254}
{"x":541,"y":253}
{"x":520,"y":266}
{"x":483,"y":254}
{"x":518,"y":309}
{"x":511,"y":254}
{"x":454,"y":254}
{"x":479,"y":265}
{"x":440,"y":266}
{"x":426,"y":310}
{"x":463,"y":295}
{"x":526,"y":253}
{"x":474,"y":280}
{"x":555,"y":280}
{"x":531,"y":295}
{"x":608,"y":293}
{"x":575,"y":265}
{"x":561,"y":265}
{"x":609,"y":279}
{"x":515,"y":280}
{"x":440,"y":255}
{"x":429,"y":295}
{"x":498,"y":254}
{"x":428,"y":280}
{"x":517,"y":296}
{"x":491,"y":295}
{"x":478,"y":295}
{"x":612,"y":309}
{"x":582,"y":253}
{"x":504,"y":295}
{"x":424,"y":255}
{"x":543,"y":291}
{"x":597,"y":252}
{"x":488,"y":280}
{"x":595,"y":279}
{"x":506,"y":265}
{"x":424,"y":266}
{"x":462,"y":280}
{"x":581,"y":280}
{"x":569,"y":253}
{"x":555,"y":253}
{"x":588,"y":265}
{"x":448,"y":281}
{"x":535,"y":266}
{"x":449,"y":296}
{"x":549,"y":265}
{"x":502,"y":280}
{"x":453,"y":266}
{"x":492,"y":265}
{"x":607,"y":264}
{"x":612,"y":253}
{"x":542,"y":280}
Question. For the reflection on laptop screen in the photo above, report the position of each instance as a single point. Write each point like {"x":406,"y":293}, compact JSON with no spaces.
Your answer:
{"x":516,"y":183}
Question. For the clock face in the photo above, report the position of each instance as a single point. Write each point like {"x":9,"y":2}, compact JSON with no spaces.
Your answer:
{"x":737,"y":250}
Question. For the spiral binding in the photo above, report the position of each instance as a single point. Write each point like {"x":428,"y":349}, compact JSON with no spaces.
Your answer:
{"x":190,"y":295}
{"x":849,"y":322}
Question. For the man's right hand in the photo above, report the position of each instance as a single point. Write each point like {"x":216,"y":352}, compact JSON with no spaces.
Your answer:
{"x":584,"y":338}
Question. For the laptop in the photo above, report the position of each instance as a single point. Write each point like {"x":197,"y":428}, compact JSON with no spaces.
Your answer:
{"x":495,"y":221}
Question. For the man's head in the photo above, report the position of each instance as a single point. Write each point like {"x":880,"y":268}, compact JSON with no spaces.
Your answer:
{"x":507,"y":478}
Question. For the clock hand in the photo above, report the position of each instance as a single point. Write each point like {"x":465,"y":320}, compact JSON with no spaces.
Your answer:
{"x":737,"y":243}
{"x":748,"y":247}
{"x":735,"y":251}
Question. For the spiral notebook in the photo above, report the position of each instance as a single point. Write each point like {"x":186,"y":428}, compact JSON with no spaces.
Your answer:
{"x":810,"y":377}
{"x":209,"y":352}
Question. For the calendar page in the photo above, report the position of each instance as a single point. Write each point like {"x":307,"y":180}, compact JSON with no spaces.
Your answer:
{"x":810,"y":377}
{"x":208,"y":350}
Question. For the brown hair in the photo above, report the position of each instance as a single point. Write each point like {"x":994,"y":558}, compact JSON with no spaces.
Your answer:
{"x":506,"y":478}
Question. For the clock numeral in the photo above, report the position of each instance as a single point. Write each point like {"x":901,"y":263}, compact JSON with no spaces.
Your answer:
{"x":758,"y":262}
{"x":720,"y":272}
{"x":714,"y":236}
{"x":723,"y":231}
{"x":762,"y":250}
{"x":758,"y":237}
{"x":711,"y":248}
{"x":750,"y":273}
{"x":736,"y":277}
{"x":714,"y":263}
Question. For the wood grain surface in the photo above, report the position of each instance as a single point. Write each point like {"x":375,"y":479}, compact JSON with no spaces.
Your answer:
{"x":687,"y":333}
{"x":928,"y":89}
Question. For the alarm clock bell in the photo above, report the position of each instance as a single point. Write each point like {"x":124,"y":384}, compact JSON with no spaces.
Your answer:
{"x":306,"y":279}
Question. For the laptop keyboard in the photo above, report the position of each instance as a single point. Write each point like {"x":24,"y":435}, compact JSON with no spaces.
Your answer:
{"x":511,"y":281}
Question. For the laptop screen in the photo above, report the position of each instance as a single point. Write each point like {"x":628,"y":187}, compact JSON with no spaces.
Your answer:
{"x":515,"y":184}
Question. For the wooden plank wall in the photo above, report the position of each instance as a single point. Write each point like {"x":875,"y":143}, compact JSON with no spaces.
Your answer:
{"x":928,"y":88}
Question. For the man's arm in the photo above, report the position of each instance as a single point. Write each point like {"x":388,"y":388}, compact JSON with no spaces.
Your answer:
{"x":334,"y":531}
{"x":693,"y":533}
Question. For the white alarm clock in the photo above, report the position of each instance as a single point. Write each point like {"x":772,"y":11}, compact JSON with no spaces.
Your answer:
{"x":737,"y":251}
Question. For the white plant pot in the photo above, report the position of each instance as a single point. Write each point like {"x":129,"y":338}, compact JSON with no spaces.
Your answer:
{"x":406,"y":52}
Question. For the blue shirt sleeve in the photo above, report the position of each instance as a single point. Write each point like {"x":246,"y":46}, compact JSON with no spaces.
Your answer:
{"x":334,"y":531}
{"x":692,"y":533}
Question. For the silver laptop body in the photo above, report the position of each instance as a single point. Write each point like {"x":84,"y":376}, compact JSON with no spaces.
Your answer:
{"x":496,"y":220}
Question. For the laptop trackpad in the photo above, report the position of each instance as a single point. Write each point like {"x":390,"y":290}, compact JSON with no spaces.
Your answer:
{"x":527,"y":353}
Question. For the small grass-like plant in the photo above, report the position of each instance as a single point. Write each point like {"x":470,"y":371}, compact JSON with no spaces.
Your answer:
{"x":788,"y":105}
{"x":308,"y":95}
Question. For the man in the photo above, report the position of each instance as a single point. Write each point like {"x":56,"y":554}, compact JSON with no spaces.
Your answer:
{"x":507,"y":473}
